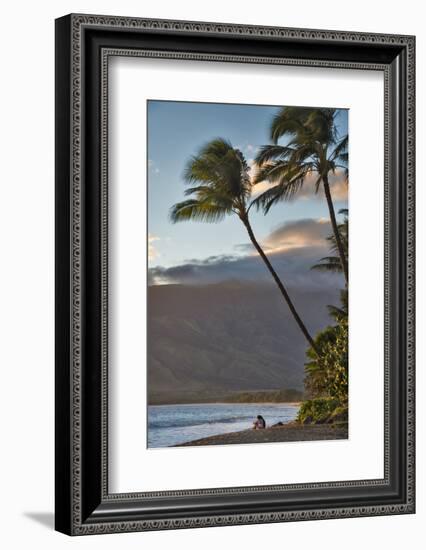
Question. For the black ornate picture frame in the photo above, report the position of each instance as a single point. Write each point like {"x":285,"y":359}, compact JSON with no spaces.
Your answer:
{"x":84,"y":44}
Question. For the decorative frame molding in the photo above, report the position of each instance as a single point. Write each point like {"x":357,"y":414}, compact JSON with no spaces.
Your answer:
{"x":84,"y":44}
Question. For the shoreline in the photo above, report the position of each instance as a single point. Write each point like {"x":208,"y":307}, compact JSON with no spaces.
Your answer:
{"x":275,"y":434}
{"x":257,"y":403}
{"x":226,"y":396}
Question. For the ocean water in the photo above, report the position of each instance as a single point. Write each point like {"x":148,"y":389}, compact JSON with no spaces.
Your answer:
{"x":174,"y":424}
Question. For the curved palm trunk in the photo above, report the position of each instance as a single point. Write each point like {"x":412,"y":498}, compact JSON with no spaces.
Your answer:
{"x":280,"y":286}
{"x":330,"y":205}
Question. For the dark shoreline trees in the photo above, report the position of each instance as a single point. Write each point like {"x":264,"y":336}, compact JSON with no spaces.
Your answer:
{"x":326,"y":374}
{"x":220,"y":185}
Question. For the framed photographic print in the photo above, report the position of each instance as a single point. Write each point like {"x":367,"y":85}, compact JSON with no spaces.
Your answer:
{"x":234,"y":274}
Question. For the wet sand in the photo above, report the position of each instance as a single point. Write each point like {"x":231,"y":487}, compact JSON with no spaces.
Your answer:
{"x":288,"y":432}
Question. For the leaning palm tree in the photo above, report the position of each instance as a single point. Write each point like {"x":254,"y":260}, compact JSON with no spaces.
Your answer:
{"x":220,"y":185}
{"x":313,"y":149}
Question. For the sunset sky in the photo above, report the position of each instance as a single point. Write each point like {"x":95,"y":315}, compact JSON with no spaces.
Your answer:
{"x":293,"y":234}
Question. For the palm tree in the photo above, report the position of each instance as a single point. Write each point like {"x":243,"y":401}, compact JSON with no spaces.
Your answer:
{"x":220,"y":185}
{"x":342,"y":312}
{"x":313,"y":149}
{"x":333,"y":263}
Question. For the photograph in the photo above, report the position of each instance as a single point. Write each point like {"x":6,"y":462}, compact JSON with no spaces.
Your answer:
{"x":248,"y":255}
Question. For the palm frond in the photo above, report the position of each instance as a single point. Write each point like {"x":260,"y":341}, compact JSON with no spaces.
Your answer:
{"x":206,"y":194}
{"x":342,"y":312}
{"x":268,"y":153}
{"x":340,"y":155}
{"x":321,"y":126}
{"x":197,"y":211}
{"x":217,"y":147}
{"x":340,"y":149}
{"x":343,"y":158}
{"x":329,"y":263}
{"x":286,"y":122}
{"x":272,"y":172}
{"x":317,"y":184}
{"x":218,"y":164}
{"x":284,"y":190}
{"x":306,"y":122}
{"x":337,"y":312}
{"x":219,"y":183}
{"x":305,"y":150}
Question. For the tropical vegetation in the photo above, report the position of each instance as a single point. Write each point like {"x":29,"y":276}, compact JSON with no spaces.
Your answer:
{"x":326,"y":373}
{"x":306,"y":149}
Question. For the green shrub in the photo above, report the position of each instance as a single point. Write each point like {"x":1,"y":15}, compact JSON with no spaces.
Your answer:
{"x":327,"y":375}
{"x":317,"y":411}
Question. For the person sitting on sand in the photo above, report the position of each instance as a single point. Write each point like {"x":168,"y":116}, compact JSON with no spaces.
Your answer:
{"x":260,"y":423}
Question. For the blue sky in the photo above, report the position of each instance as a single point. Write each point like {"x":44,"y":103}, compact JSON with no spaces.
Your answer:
{"x":177,"y":130}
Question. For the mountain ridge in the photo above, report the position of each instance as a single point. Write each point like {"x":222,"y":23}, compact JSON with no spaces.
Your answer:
{"x":229,"y":336}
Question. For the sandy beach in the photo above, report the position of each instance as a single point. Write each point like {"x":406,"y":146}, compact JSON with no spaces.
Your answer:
{"x":288,"y":432}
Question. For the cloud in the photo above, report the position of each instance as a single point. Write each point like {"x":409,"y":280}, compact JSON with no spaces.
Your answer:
{"x":304,"y":233}
{"x":296,"y":234}
{"x":294,"y":267}
{"x":152,"y":252}
{"x":292,"y":248}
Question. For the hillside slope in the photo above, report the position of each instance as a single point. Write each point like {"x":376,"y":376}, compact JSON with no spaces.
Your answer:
{"x":228,"y":336}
